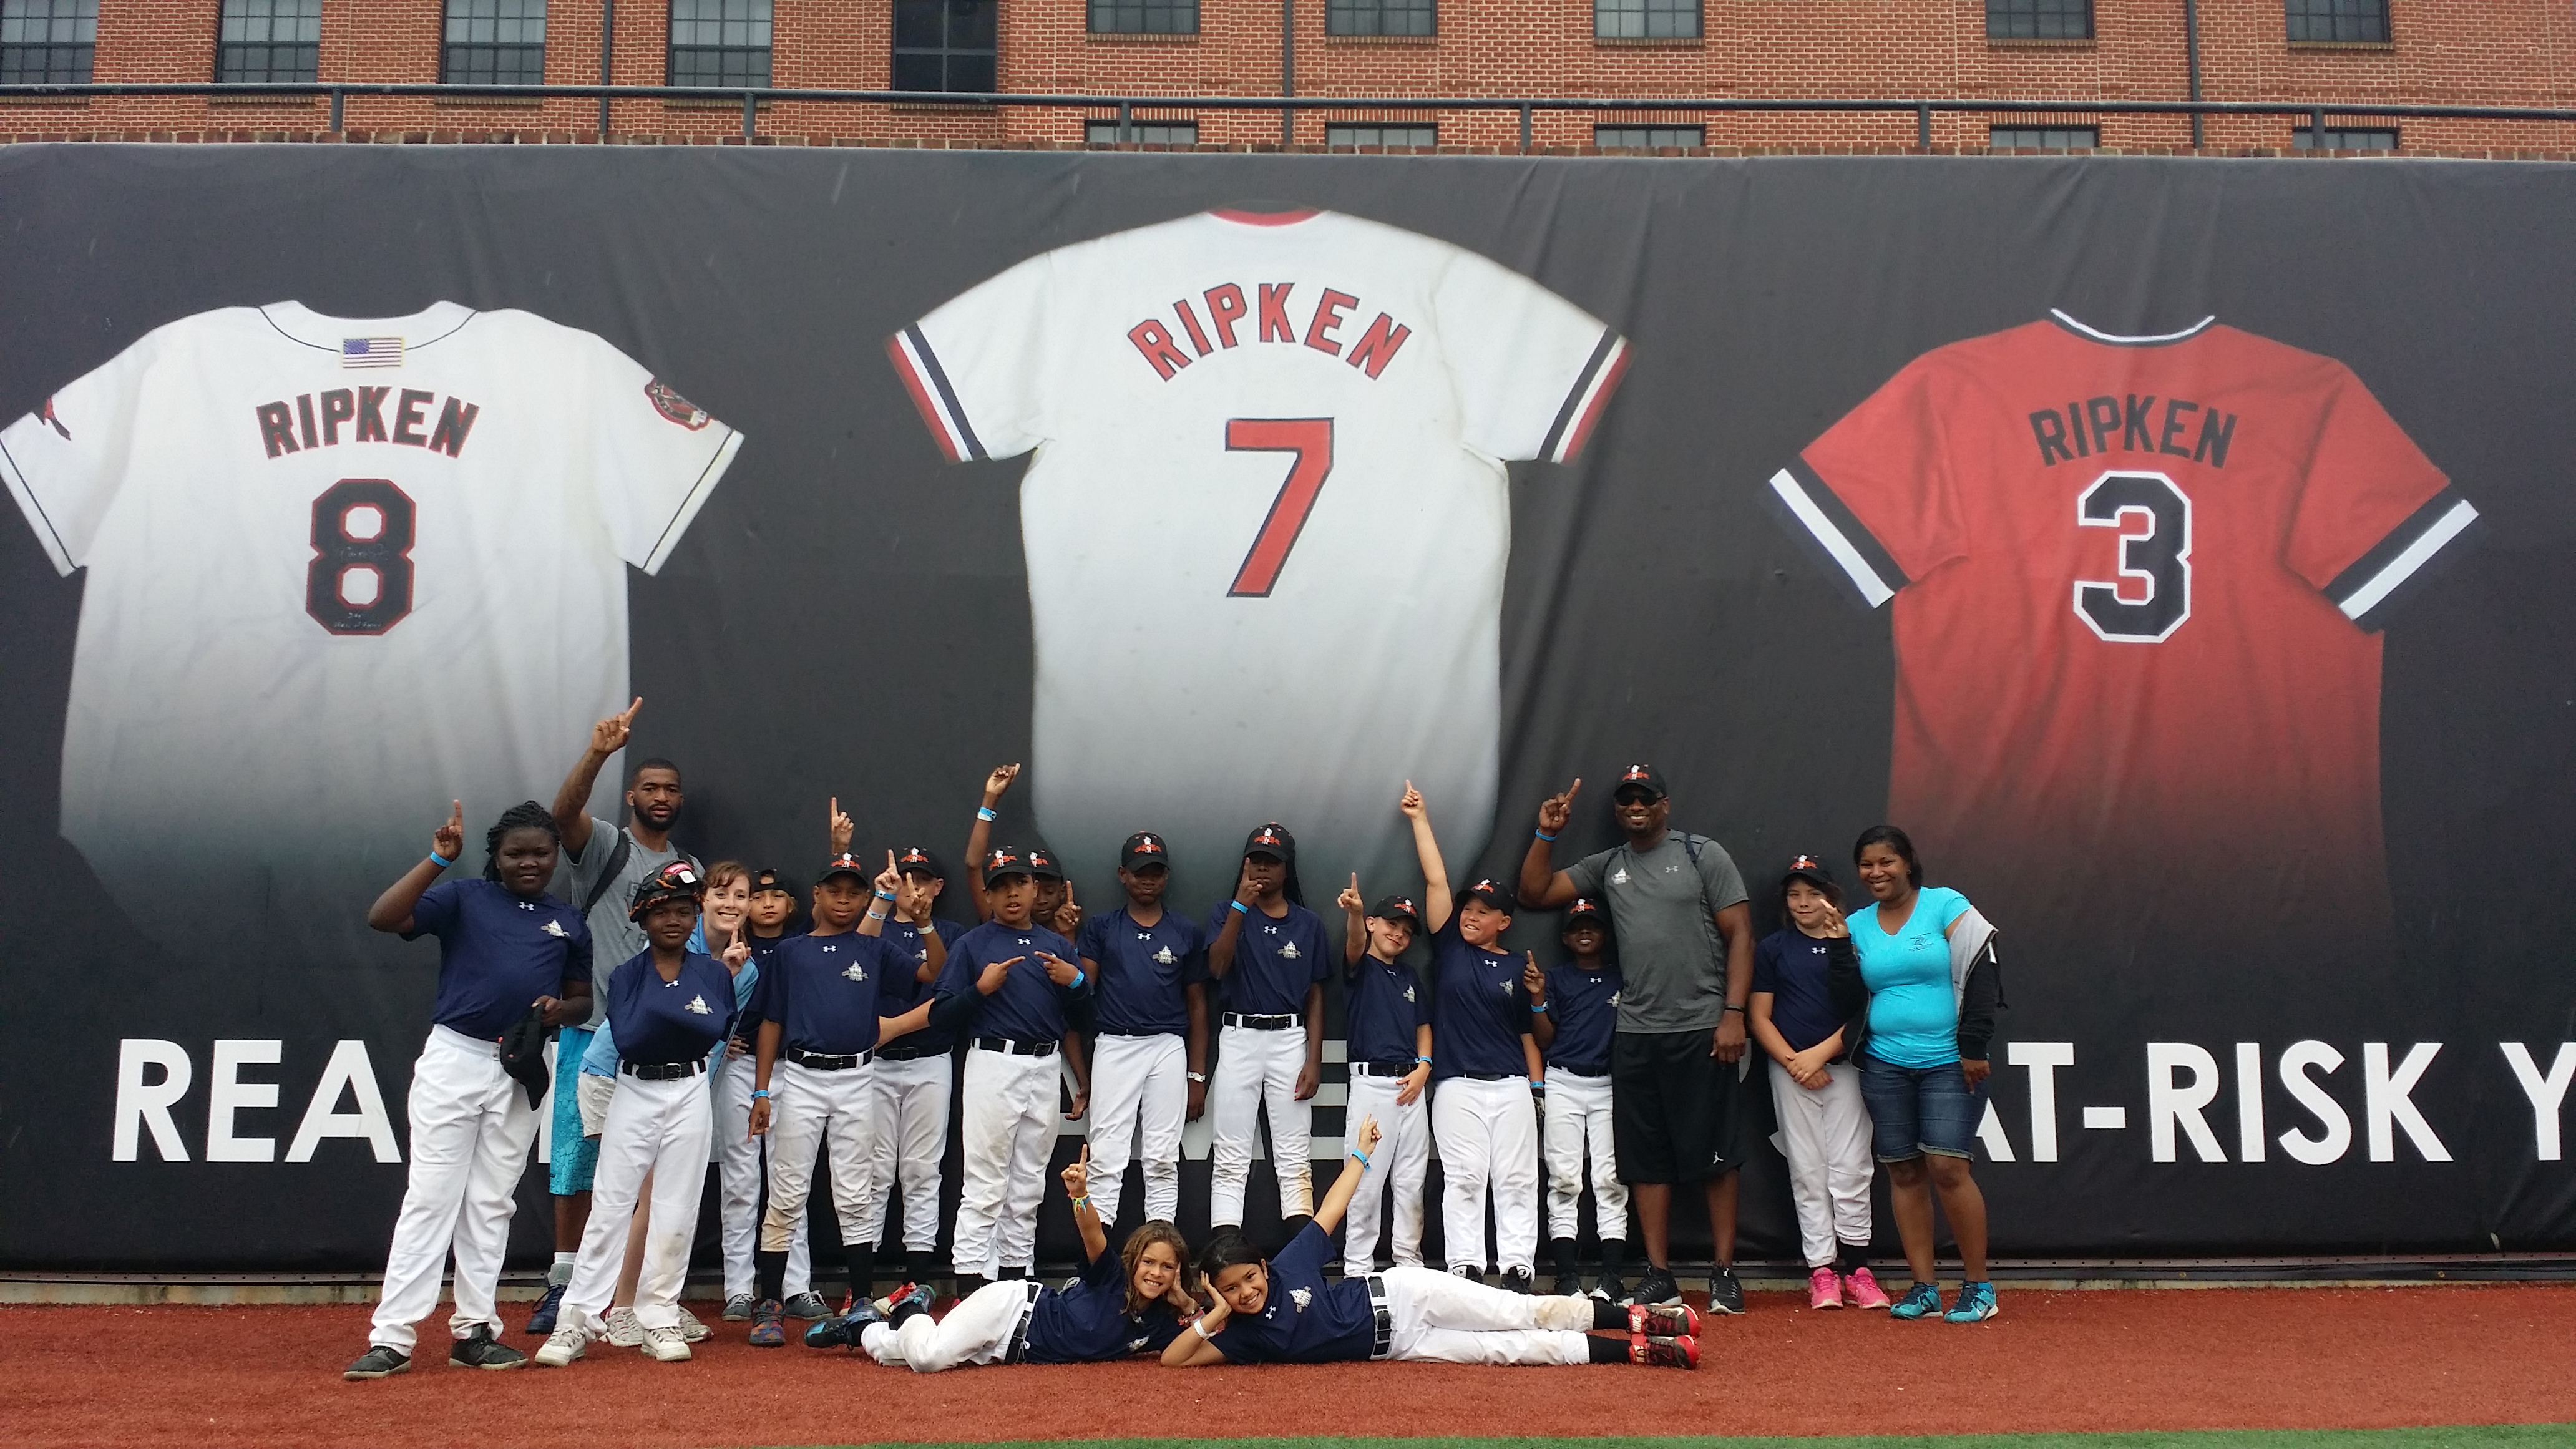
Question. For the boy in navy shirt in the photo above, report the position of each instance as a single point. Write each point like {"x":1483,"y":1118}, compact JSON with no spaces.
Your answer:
{"x":1580,"y":1002}
{"x":1388,"y":1027}
{"x":1270,"y":952}
{"x":1148,"y":967}
{"x":915,"y":1077}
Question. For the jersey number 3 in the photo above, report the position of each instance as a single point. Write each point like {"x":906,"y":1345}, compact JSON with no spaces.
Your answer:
{"x":1311,"y":439}
{"x":2153,"y":593}
{"x":360,"y":579}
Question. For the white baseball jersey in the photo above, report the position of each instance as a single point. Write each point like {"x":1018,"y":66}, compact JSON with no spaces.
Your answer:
{"x":1266,"y":524}
{"x":341,"y":572}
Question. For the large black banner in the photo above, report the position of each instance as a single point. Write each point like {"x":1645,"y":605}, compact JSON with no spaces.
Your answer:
{"x":2178,"y":548}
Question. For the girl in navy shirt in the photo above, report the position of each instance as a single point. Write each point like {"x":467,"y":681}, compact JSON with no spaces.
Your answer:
{"x":1386,"y":1019}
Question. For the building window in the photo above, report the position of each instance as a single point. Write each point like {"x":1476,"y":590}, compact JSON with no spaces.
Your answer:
{"x":269,"y":40}
{"x":1146,"y":133}
{"x":2041,"y":19}
{"x":2049,"y":138}
{"x":1645,"y":19}
{"x":1371,"y":133}
{"x":719,"y":43}
{"x":1380,"y":17}
{"x":47,"y":42}
{"x":1144,"y":17}
{"x":494,"y":43}
{"x":2344,"y":138}
{"x":946,"y":45}
{"x":1649,"y":138}
{"x":2338,"y":20}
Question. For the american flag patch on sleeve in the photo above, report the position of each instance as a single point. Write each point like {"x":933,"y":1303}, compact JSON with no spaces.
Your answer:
{"x":371,"y":352}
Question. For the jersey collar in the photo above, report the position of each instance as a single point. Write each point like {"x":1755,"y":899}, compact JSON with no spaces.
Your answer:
{"x":1242,"y":217}
{"x":2058,"y":316}
{"x":313,"y":329}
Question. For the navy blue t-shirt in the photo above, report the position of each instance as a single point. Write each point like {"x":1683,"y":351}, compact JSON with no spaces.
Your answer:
{"x":746,"y":1024}
{"x":1274,"y":960}
{"x":1382,"y":1012}
{"x":678,"y":1020}
{"x":1479,"y":1009}
{"x":1790,"y":964}
{"x":1089,"y":1322}
{"x":1029,"y":1007}
{"x":1585,"y":1007}
{"x":1306,"y":1319}
{"x":497,"y":952}
{"x":904,"y":990}
{"x":1142,"y":970}
{"x":826,"y":992}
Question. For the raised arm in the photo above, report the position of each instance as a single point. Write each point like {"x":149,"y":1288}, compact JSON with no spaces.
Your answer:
{"x":1542,"y":886}
{"x":980,"y":839}
{"x":1534,"y":981}
{"x":572,"y":801}
{"x":392,"y":910}
{"x":1337,"y":1199}
{"x":1436,"y":900}
{"x":1077,"y":1186}
{"x":1355,"y":930}
{"x":889,"y":884}
{"x":1230,"y":932}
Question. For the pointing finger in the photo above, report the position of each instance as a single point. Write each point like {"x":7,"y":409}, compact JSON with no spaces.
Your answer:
{"x":629,"y":716}
{"x":1571,"y":789}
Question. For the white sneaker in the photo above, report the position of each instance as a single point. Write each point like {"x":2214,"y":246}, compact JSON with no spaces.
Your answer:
{"x":667,"y":1344}
{"x":623,"y":1330}
{"x":563,"y":1346}
{"x":692,"y":1330}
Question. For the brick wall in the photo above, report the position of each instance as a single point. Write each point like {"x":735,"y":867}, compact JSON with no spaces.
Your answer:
{"x":2488,"y":52}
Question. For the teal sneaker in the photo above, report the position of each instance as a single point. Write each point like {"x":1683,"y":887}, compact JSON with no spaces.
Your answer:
{"x":1923,"y":1300}
{"x":1976,"y":1304}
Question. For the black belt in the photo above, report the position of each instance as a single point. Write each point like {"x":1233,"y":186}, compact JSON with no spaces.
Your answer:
{"x":1017,"y":1350}
{"x":817,"y":1062}
{"x":663,"y":1071}
{"x":1385,"y":1317}
{"x":1009,"y":1047}
{"x":909,"y":1053}
{"x":1140,"y":1035}
{"x":1382,"y":1069}
{"x":1489,"y":1076}
{"x":1261,"y":1023}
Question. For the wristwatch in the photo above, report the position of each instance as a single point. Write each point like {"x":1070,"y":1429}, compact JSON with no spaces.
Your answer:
{"x":1199,"y":1077}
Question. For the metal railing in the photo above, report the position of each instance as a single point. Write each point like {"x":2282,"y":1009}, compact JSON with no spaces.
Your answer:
{"x":1287,"y":107}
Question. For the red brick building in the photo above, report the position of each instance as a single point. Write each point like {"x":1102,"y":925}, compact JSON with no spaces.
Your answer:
{"x":2455,"y":52}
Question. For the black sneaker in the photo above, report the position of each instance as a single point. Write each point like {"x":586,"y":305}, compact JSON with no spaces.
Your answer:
{"x":480,"y":1350}
{"x":378,"y":1362}
{"x":542,"y":1322}
{"x":1520,"y":1280}
{"x":1657,"y":1287}
{"x":1725,"y":1295}
{"x":1568,"y":1285}
{"x":1611,"y":1290}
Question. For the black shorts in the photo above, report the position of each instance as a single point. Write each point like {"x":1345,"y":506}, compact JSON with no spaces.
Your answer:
{"x":1673,"y":1108}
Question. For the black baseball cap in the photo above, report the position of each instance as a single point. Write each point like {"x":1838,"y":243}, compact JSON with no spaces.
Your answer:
{"x":1042,"y":864}
{"x":845,"y":864}
{"x":1397,"y":908}
{"x":913,"y":860}
{"x":678,"y":881}
{"x":1144,"y":848}
{"x":1809,"y":869}
{"x":1491,"y":892}
{"x":767,"y":878}
{"x":1004,"y":861}
{"x":1641,"y":777}
{"x":1272,"y":840}
{"x":1584,"y":908}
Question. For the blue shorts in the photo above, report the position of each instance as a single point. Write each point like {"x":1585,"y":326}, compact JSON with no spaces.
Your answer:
{"x":1918,"y":1110}
{"x":575,"y":1157}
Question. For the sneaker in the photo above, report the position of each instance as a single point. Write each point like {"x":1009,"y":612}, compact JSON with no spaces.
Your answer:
{"x":691,"y":1329}
{"x":542,"y":1321}
{"x":905,"y":1301}
{"x":1611,"y":1290}
{"x":1923,"y":1300}
{"x":767,"y":1329}
{"x":666,"y":1344}
{"x":1520,"y":1280}
{"x":1469,"y":1271}
{"x":1863,"y":1287}
{"x":562,"y":1346}
{"x":480,"y":1350}
{"x":737,"y":1309}
{"x":843,"y":1332}
{"x":1976,"y":1304}
{"x":1668,"y":1320}
{"x":623,"y":1330}
{"x":1657,"y":1287}
{"x":1725,"y":1295}
{"x":378,"y":1362}
{"x":808,"y":1305}
{"x":1661,"y":1352}
{"x":1824,"y":1288}
{"x":1568,"y":1285}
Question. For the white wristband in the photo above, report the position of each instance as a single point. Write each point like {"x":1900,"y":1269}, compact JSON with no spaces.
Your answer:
{"x":1199,"y":1327}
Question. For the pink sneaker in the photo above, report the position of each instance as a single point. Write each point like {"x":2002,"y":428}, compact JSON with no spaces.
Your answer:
{"x":1865,"y":1292}
{"x":1824,"y":1290}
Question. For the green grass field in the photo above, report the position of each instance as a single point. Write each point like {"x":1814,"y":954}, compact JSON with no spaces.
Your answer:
{"x":2496,"y":1436}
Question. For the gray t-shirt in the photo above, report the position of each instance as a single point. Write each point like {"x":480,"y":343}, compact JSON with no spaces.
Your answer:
{"x":1672,"y":963}
{"x":613,"y":938}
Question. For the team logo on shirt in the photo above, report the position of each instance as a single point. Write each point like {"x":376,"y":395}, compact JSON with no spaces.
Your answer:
{"x":1288,"y":952}
{"x":1506,"y":985}
{"x":1614,"y":998}
{"x":1303,"y":1296}
{"x":675,"y":407}
{"x":698,"y":1004}
{"x":1408,"y":993}
{"x":1137,"y":1345}
{"x":858,"y":971}
{"x":555,"y":929}
{"x":1619,"y":876}
{"x":1165,"y":957}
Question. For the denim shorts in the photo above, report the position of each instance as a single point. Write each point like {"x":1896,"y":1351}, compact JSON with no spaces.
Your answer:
{"x":575,"y":1157}
{"x":1915,"y":1110}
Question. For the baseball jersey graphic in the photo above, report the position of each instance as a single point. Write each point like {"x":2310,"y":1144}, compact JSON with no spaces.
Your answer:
{"x":1268,"y":476}
{"x":340,"y":572}
{"x":2136,"y":586}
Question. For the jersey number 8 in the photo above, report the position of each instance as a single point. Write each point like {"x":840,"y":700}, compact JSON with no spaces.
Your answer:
{"x":360,"y":579}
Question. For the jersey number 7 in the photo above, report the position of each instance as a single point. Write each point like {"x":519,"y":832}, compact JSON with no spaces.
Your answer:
{"x":1311,"y":439}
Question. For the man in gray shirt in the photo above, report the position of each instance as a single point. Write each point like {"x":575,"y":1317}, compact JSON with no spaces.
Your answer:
{"x":1685,"y":942}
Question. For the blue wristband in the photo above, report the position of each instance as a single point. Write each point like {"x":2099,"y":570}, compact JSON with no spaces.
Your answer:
{"x":1538,"y":1009}
{"x":1360,"y":1157}
{"x":1238,"y":905}
{"x":885,"y":895}
{"x":760,"y":1096}
{"x":985,"y":813}
{"x":1543,"y":835}
{"x":1078,"y":979}
{"x":443,"y":861}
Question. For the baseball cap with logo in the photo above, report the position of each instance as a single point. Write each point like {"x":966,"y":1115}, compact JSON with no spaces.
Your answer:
{"x":1397,"y":908}
{"x":1005,"y":861}
{"x":1042,"y":864}
{"x":1272,"y":840}
{"x":1491,"y":892}
{"x":678,"y":881}
{"x":1809,"y":869}
{"x":845,"y":863}
{"x":913,"y":860}
{"x":1144,"y":848}
{"x":768,"y":879}
{"x":1582,"y":910}
{"x":1640,"y":777}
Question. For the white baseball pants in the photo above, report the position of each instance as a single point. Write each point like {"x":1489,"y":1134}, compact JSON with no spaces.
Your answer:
{"x":739,"y":1172}
{"x":1140,"y":1088}
{"x":977,"y":1330}
{"x":657,"y":1129}
{"x":1401,"y":1157}
{"x":912,"y":1137}
{"x":1011,"y":1111}
{"x":1826,"y":1135}
{"x":1254,"y":1068}
{"x":1438,"y":1317}
{"x":1488,"y":1138}
{"x":1578,"y":1117}
{"x":810,"y":1110}
{"x":471,"y":1128}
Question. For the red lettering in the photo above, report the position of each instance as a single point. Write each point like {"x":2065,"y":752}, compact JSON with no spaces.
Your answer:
{"x":410,"y":411}
{"x":1225,"y":308}
{"x":1190,"y":324}
{"x":1156,"y":344}
{"x":453,"y":424}
{"x":1274,"y":312}
{"x":1377,"y":345}
{"x":1328,"y":315}
{"x":277,"y":428}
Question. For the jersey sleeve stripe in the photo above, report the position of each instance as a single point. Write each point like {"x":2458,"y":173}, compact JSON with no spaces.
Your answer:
{"x":931,"y":393}
{"x":1564,"y":436}
{"x":1604,"y":383}
{"x":35,"y":511}
{"x":673,"y":531}
{"x":1849,"y":545}
{"x":2366,"y":587}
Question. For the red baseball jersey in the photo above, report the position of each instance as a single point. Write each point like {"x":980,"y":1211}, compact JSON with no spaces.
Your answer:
{"x":2136,"y":583}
